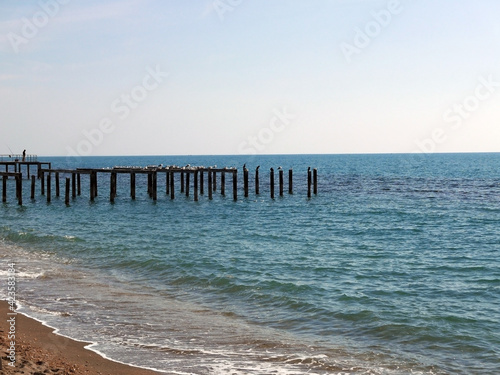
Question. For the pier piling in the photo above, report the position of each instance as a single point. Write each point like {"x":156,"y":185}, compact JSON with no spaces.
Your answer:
{"x":49,"y":180}
{"x":281,"y":181}
{"x":78,"y":184}
{"x":271,"y":182}
{"x":315,"y":181}
{"x":42,"y":185}
{"x":235,"y":185}
{"x":257,"y":189}
{"x":66,"y":196}
{"x":33,"y":187}
{"x":112,"y":187}
{"x":91,"y":183}
{"x":73,"y":185}
{"x":4,"y":189}
{"x":245,"y":181}
{"x":195,"y":186}
{"x":19,"y":188}
{"x":210,"y":184}
{"x":309,"y":182}
{"x":132,"y":185}
{"x":172,"y":185}
{"x":201,"y":183}
{"x":57,"y":184}
{"x":223,"y":183}
{"x":154,"y":186}
{"x":290,"y":181}
{"x":167,"y":183}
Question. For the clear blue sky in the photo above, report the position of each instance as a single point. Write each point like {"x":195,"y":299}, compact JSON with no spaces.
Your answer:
{"x":134,"y":77}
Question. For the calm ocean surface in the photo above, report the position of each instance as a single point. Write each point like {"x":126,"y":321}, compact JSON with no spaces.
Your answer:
{"x":393,"y":268}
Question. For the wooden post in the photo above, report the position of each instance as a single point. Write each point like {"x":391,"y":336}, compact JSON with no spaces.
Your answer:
{"x":112,"y":186}
{"x":150,"y":183}
{"x":48,"y":187}
{"x":315,"y":180}
{"x":57,"y":184}
{"x":155,"y":185}
{"x":92,"y":190}
{"x":281,"y":181}
{"x":79,"y":184}
{"x":42,"y":185}
{"x":223,"y":183}
{"x":66,"y":196}
{"x":245,"y":181}
{"x":132,"y":185}
{"x":214,"y":180}
{"x":210,"y":184}
{"x":257,"y":190}
{"x":28,"y":170}
{"x":271,"y":182}
{"x":187,"y":183}
{"x":33,"y":187}
{"x":172,"y":190}
{"x":19,"y":188}
{"x":95,"y":184}
{"x":4,"y":189}
{"x":235,"y":184}
{"x":167,"y":183}
{"x":182,"y":182}
{"x":73,"y":184}
{"x":290,"y":181}
{"x":201,"y":183}
{"x":196,"y":186}
{"x":309,"y":182}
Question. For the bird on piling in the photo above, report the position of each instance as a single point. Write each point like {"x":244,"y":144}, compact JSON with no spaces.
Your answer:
{"x":257,"y":168}
{"x":245,"y":166}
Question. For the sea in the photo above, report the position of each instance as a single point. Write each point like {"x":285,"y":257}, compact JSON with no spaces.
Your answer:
{"x":393,"y":267}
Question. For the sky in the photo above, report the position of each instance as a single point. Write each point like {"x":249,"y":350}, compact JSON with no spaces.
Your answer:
{"x":170,"y":77}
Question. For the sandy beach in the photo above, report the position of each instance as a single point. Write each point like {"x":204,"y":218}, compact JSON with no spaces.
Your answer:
{"x":39,"y":351}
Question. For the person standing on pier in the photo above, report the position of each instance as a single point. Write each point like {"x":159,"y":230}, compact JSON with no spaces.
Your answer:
{"x":24,"y":155}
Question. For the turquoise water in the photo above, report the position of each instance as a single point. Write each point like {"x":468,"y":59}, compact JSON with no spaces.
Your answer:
{"x":393,"y":268}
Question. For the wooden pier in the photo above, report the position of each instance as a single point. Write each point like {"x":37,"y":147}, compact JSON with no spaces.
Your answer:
{"x":50,"y":180}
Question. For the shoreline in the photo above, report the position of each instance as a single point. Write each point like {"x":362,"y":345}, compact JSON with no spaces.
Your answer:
{"x":38,"y":350}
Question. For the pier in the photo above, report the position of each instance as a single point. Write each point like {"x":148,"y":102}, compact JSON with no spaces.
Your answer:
{"x":174,"y":179}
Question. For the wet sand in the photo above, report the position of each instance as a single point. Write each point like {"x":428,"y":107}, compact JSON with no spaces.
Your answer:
{"x":38,"y":351}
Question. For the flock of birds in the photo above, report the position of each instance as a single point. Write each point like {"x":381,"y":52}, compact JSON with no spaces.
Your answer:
{"x":189,"y":167}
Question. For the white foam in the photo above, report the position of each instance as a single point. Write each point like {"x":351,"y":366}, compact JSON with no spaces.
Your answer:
{"x":89,"y":345}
